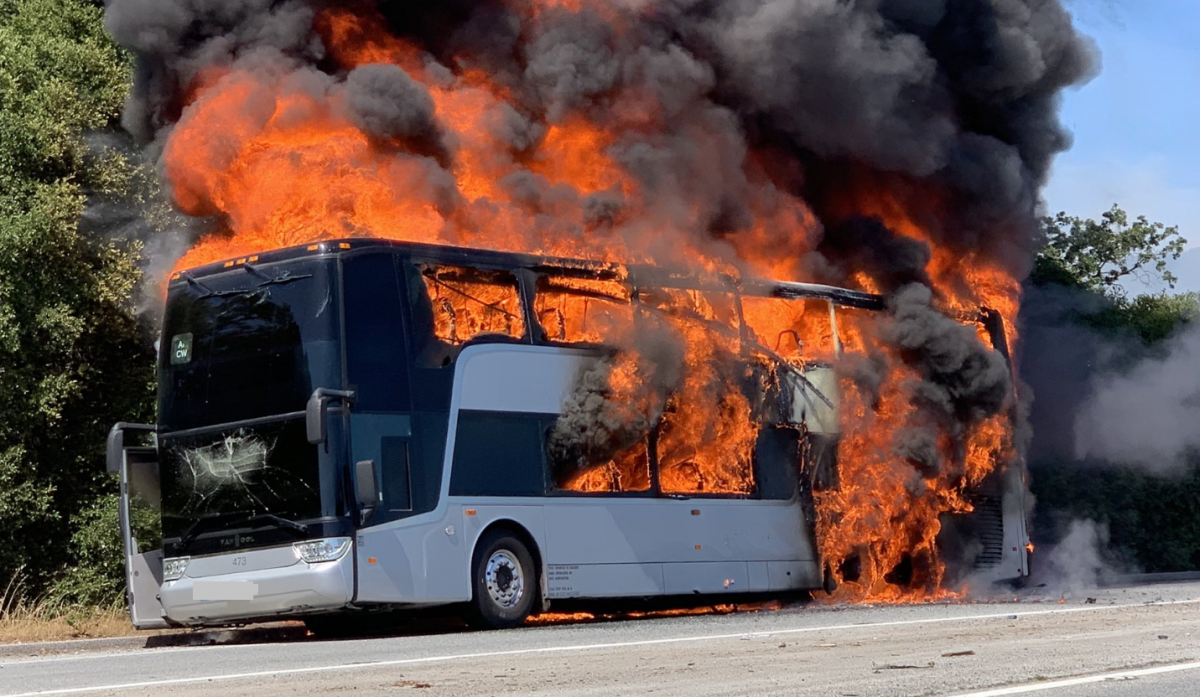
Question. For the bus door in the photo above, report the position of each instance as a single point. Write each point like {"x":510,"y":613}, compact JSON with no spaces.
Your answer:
{"x":140,"y":513}
{"x":392,"y":441}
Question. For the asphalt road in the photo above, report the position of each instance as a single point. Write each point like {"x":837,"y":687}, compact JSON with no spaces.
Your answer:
{"x":1131,"y":641}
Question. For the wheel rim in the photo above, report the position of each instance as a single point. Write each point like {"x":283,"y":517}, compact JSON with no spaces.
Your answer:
{"x":504,"y":580}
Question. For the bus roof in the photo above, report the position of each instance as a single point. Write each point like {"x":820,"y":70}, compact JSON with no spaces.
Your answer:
{"x":636,"y":274}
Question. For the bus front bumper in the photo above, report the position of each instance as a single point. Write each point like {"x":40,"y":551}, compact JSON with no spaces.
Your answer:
{"x":275,"y":592}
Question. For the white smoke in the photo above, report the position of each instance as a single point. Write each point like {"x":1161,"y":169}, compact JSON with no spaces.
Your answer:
{"x":1077,"y":563}
{"x":1149,"y":414}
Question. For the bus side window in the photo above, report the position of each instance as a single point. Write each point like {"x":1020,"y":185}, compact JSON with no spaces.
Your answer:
{"x":397,"y":477}
{"x":579,"y":310}
{"x":627,"y":470}
{"x":468,"y":303}
{"x":706,"y":450}
{"x":453,"y":305}
{"x":856,"y":328}
{"x":497,"y":454}
{"x":777,"y":461}
{"x":706,"y":437}
{"x":375,"y":356}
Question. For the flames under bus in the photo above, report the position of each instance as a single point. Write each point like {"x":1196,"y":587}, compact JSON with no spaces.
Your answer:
{"x":361,"y":425}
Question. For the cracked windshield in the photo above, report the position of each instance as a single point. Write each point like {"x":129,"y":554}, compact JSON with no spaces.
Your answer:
{"x":246,"y":349}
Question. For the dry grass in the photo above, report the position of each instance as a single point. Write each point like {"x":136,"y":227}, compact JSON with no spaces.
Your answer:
{"x":43,"y":621}
{"x":25,"y":619}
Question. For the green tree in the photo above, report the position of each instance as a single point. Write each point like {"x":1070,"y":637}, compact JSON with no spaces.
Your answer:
{"x":1150,"y":317}
{"x":73,"y":358}
{"x":1097,"y":255}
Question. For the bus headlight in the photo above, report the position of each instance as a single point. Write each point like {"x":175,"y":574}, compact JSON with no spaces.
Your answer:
{"x":174,"y":567}
{"x":329,"y":549}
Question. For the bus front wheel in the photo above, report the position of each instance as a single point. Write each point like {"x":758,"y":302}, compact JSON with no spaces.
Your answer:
{"x":504,"y":581}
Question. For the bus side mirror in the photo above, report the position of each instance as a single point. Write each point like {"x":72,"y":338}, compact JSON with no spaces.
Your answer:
{"x":315,"y":421}
{"x":114,"y":455}
{"x":366,"y":485}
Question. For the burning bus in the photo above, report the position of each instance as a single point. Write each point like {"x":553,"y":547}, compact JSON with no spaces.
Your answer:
{"x":510,"y":302}
{"x":360,"y":425}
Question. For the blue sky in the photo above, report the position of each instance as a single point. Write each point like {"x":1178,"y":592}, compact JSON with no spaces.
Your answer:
{"x":1137,"y":123}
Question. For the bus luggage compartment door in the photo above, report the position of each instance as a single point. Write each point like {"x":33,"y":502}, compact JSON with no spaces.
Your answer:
{"x":139,"y":510}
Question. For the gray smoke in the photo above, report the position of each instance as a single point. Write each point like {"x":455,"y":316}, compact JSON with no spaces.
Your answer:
{"x":1103,"y":395}
{"x":597,"y":421}
{"x":138,"y":213}
{"x":595,"y":425}
{"x":1145,"y":414}
{"x":1077,"y":563}
{"x":390,"y":106}
{"x":175,"y":40}
{"x":963,"y":381}
{"x":1058,"y":356}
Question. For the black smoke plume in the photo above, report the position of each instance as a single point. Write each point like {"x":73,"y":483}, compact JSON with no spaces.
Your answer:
{"x":833,"y":97}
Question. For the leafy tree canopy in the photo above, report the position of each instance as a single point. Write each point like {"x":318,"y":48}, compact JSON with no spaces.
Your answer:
{"x":1097,"y":255}
{"x":73,"y":358}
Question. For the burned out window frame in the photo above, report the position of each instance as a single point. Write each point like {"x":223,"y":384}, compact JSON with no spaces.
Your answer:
{"x":534,"y":281}
{"x":643,"y":310}
{"x":422,"y":330}
{"x":774,"y":351}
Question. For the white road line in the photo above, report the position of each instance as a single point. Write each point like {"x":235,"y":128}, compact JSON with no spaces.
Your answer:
{"x":1071,"y":682}
{"x":94,"y":655}
{"x":584,"y":647}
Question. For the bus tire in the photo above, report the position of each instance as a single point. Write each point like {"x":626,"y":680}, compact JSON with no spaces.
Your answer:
{"x":504,"y":581}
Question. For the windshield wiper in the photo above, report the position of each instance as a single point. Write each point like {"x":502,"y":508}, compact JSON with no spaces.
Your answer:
{"x":205,"y":521}
{"x":191,"y":280}
{"x":284,"y":277}
{"x":208,"y":292}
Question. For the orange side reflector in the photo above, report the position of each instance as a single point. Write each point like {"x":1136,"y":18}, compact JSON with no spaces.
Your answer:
{"x":470,"y":511}
{"x":254,"y":258}
{"x":344,"y":245}
{"x":228,"y":264}
{"x":313,"y":247}
{"x":697,"y":547}
{"x":241,"y":261}
{"x":371,"y":560}
{"x":695,"y":511}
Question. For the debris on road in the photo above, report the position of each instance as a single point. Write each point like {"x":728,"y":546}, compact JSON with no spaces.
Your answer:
{"x":901,"y":666}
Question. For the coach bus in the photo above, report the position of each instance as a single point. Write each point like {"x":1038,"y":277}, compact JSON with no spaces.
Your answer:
{"x":363,"y":425}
